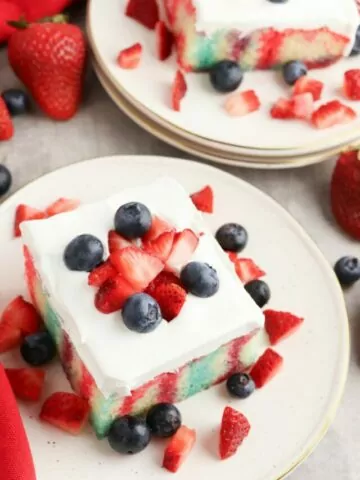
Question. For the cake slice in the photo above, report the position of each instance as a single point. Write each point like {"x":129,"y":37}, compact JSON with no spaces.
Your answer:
{"x":261,"y":34}
{"x":118,"y":370}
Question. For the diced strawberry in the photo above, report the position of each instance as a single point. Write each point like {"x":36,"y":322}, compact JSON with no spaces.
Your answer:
{"x":66,"y":411}
{"x":233,"y":256}
{"x":117,"y":242}
{"x":158,"y":226}
{"x":62,"y":205}
{"x":171,"y":298}
{"x":332,"y":113}
{"x":24,"y":213}
{"x":161,"y":246}
{"x":179,"y":448}
{"x":303,"y":105}
{"x":247,"y":270}
{"x":26,"y":383}
{"x":308,"y":85}
{"x":145,"y":12}
{"x":164,"y":278}
{"x":184,"y":246}
{"x":164,"y":41}
{"x":279,"y":325}
{"x":242,"y":103}
{"x":266,"y":367}
{"x":179,"y":89}
{"x":352,"y":84}
{"x":112,"y":294}
{"x":235,"y":427}
{"x":100,"y":274}
{"x":129,"y":58}
{"x":204,"y":199}
{"x":137,"y":267}
{"x":283,"y":109}
{"x":9,"y":338}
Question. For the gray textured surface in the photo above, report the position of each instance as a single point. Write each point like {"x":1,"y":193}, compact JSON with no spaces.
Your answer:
{"x":100,"y":129}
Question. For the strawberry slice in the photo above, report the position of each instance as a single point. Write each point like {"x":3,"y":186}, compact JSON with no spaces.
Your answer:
{"x":24,"y":213}
{"x":266,"y":367}
{"x":303,"y":105}
{"x":117,"y":242}
{"x":164,"y":278}
{"x":145,"y":12}
{"x":171,"y":298}
{"x":308,"y":85}
{"x":10,"y":338}
{"x":185,"y":244}
{"x":235,"y":427}
{"x":242,"y":103}
{"x":26,"y":383}
{"x":164,"y":41}
{"x":137,"y":267}
{"x":158,"y":226}
{"x":179,"y":89}
{"x":6,"y":123}
{"x":332,"y":113}
{"x":352,"y":84}
{"x":62,"y":205}
{"x":283,"y":109}
{"x":112,"y":294}
{"x":179,"y":448}
{"x":129,"y":58}
{"x":279,"y":325}
{"x":204,"y":199}
{"x":100,"y":274}
{"x":161,"y":246}
{"x":66,"y":411}
{"x":247,"y":270}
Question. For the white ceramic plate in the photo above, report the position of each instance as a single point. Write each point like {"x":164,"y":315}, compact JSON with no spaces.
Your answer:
{"x":202,"y":114}
{"x":288,"y":417}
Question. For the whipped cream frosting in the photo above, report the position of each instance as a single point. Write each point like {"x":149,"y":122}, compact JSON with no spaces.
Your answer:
{"x":119,"y":359}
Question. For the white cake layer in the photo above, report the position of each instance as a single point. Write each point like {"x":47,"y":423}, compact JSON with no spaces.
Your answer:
{"x":118,"y":358}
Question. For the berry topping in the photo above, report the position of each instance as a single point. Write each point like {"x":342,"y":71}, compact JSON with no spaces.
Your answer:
{"x":200,"y":279}
{"x":240,"y":385}
{"x":25,"y":213}
{"x":141,"y":313}
{"x":347,"y":270}
{"x":132,"y":220}
{"x":129,"y":58}
{"x":292,"y":71}
{"x":178,"y":91}
{"x":204,"y":199}
{"x":259,"y":291}
{"x":129,"y":435}
{"x":164,"y":420}
{"x":247,"y":270}
{"x":112,"y":294}
{"x":158,"y":226}
{"x":26,"y":383}
{"x":171,"y":298}
{"x":84,"y":253}
{"x":137,"y":267}
{"x":160,"y":247}
{"x":226,"y":76}
{"x":309,"y":85}
{"x":143,"y":11}
{"x":179,"y":448}
{"x":164,"y":41}
{"x":6,"y":125}
{"x":117,"y":242}
{"x":66,"y":411}
{"x":164,"y":278}
{"x":283,"y":109}
{"x":352,"y":84}
{"x":185,"y":244}
{"x":38,"y":349}
{"x":279,"y":325}
{"x":356,"y":48}
{"x":303,"y":105}
{"x":16,"y":100}
{"x":62,"y":205}
{"x":332,"y":113}
{"x":5,"y":180}
{"x":242,"y":103}
{"x":100,"y":274}
{"x":266,"y":367}
{"x":235,"y":427}
{"x":232,"y":237}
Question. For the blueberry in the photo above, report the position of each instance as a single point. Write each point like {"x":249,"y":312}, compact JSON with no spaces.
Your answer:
{"x":232,"y":237}
{"x":240,"y":385}
{"x":16,"y":100}
{"x":133,"y":220}
{"x":292,"y":71}
{"x":164,"y":420}
{"x":84,"y":253}
{"x":5,"y":180}
{"x":141,"y":313}
{"x":347,"y":270}
{"x":129,"y":435}
{"x":200,"y":279}
{"x":226,"y":76}
{"x":38,"y":349}
{"x":259,"y":291}
{"x":356,"y":48}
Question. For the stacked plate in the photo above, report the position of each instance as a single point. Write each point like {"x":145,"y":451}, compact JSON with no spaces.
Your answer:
{"x":203,"y":128}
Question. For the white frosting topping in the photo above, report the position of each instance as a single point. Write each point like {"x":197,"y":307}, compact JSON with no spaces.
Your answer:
{"x":118,"y":358}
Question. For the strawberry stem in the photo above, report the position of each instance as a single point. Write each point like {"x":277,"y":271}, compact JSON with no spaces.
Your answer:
{"x":22,"y":24}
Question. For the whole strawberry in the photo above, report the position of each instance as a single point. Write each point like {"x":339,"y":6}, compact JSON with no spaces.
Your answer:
{"x":49,"y":58}
{"x":6,"y":125}
{"x":345,"y":193}
{"x":35,"y":10}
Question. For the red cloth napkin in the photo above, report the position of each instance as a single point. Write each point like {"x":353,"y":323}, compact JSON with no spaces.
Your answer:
{"x":15,"y":457}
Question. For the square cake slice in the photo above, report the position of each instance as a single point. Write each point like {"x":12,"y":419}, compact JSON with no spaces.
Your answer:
{"x":261,"y":34}
{"x":121,"y":371}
